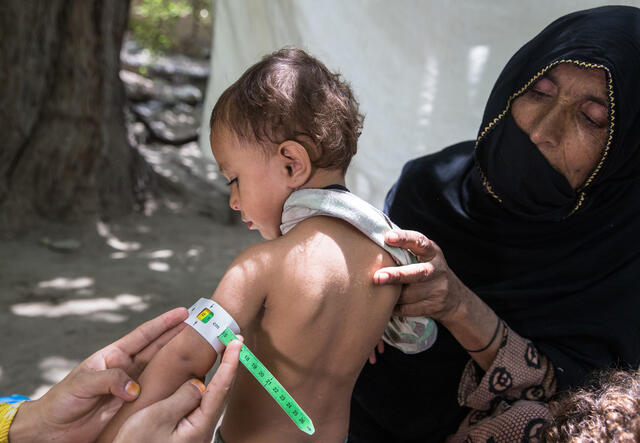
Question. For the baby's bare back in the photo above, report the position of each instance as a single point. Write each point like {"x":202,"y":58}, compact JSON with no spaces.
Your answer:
{"x":322,"y":317}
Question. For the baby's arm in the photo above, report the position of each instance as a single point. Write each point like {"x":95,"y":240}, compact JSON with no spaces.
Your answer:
{"x":241,"y":293}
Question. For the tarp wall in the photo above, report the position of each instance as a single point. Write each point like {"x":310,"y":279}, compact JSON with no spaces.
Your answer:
{"x":422,"y":70}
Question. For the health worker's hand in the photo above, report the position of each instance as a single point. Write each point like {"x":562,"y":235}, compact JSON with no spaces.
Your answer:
{"x":430,"y":287}
{"x":78,"y":408}
{"x":189,"y":415}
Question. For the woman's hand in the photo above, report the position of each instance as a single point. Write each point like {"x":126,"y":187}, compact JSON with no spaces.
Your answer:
{"x":430,"y":286}
{"x":433,"y":290}
{"x":191,"y":414}
{"x":78,"y":408}
{"x":380,"y":349}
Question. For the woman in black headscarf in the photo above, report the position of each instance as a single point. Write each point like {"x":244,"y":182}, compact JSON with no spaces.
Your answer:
{"x":537,"y":219}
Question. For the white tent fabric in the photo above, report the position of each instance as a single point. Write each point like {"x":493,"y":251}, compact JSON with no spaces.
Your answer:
{"x":422,"y":70}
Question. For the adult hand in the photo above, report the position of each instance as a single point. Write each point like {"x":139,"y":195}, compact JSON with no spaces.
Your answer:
{"x":191,"y":414}
{"x":78,"y":408}
{"x":430,"y":286}
{"x":380,"y":349}
{"x":432,"y":289}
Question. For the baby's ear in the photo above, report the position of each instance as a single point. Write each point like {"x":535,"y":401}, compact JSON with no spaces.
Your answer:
{"x":296,"y":163}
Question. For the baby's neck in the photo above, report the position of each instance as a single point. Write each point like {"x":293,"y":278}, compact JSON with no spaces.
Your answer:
{"x":325,"y":177}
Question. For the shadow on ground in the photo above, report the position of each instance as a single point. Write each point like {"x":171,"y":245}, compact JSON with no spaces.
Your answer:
{"x":66,"y":291}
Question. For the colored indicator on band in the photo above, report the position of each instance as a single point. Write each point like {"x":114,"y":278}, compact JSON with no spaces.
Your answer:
{"x":205,"y":315}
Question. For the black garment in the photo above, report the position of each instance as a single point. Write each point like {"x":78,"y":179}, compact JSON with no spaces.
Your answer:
{"x":337,"y":187}
{"x":561,"y":267}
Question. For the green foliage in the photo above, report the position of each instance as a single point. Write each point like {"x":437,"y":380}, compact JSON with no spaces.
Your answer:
{"x":153,"y":22}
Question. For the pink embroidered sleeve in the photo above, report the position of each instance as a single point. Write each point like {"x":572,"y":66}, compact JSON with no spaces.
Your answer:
{"x":508,"y":401}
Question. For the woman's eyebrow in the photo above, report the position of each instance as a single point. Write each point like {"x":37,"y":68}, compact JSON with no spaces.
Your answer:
{"x":596,"y":99}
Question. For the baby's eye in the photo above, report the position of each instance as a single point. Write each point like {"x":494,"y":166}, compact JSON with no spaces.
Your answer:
{"x":232,"y":181}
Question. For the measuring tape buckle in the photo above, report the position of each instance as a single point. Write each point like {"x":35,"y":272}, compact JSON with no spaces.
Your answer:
{"x":209,"y":319}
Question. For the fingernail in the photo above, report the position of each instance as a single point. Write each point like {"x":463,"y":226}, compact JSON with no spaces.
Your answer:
{"x":392,"y":236}
{"x":198,"y":384}
{"x":132,"y":388}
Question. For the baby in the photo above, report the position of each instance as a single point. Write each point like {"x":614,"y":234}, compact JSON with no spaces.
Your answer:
{"x":605,"y":409}
{"x":283,"y":135}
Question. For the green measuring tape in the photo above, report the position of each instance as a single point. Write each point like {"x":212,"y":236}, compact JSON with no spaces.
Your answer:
{"x":272,"y":386}
{"x":216,"y":326}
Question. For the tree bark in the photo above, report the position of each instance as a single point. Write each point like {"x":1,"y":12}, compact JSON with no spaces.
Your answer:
{"x":64,"y":152}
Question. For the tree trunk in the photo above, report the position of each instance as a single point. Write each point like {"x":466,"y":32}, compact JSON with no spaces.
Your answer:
{"x":64,"y":152}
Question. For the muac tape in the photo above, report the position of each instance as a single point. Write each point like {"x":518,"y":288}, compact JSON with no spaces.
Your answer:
{"x":218,"y":328}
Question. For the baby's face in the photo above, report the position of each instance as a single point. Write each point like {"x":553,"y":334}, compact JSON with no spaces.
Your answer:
{"x":258,"y":186}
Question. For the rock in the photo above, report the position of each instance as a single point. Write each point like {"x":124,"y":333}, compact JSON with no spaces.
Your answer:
{"x":148,"y":109}
{"x":175,"y":125}
{"x":140,"y":88}
{"x":178,"y":68}
{"x":186,"y":93}
{"x":64,"y":245}
{"x":137,"y":87}
{"x":138,"y":133}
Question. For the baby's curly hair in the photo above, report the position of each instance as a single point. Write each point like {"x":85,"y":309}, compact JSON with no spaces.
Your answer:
{"x":290,"y":95}
{"x":608,"y":409}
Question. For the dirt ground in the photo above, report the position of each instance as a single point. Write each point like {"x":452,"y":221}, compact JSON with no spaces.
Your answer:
{"x":56,"y":308}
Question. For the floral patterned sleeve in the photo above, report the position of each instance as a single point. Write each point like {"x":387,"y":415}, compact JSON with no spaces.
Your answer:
{"x":507,"y":401}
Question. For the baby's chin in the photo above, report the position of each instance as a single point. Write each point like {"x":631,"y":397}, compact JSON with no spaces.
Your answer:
{"x":270,"y":237}
{"x":270,"y":234}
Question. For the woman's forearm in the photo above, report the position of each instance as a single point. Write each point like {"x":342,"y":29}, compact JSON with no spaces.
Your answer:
{"x":475,"y":326}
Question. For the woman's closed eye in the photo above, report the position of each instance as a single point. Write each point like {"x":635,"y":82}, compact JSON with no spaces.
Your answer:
{"x":595,"y":114}
{"x":592,"y":122}
{"x":537,"y":94}
{"x":232,"y":181}
{"x":543,"y":88}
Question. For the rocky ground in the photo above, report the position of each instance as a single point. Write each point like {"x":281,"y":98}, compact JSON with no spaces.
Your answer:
{"x":67,"y":290}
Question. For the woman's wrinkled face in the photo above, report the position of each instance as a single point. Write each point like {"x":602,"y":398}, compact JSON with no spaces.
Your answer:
{"x":565,"y":115}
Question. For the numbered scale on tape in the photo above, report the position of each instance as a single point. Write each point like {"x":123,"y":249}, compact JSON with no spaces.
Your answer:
{"x":272,"y":386}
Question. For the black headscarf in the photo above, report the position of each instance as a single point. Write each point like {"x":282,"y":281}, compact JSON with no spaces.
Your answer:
{"x":561,"y":267}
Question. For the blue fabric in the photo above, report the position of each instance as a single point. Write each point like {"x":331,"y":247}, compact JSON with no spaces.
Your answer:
{"x":15,"y":398}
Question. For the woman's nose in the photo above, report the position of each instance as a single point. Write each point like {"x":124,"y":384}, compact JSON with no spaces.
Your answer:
{"x":548,"y":127}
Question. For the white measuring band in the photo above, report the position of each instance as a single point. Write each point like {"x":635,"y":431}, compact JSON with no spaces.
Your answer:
{"x":209,"y":319}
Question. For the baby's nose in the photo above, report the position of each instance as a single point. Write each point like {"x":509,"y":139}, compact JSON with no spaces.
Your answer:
{"x":233,"y":202}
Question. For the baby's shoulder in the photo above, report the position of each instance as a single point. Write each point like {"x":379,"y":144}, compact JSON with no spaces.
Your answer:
{"x":331,"y":245}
